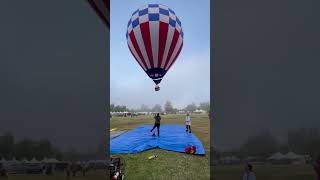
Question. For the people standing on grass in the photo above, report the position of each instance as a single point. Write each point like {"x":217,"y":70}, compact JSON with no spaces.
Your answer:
{"x":316,"y":167}
{"x":84,"y":169}
{"x":188,"y":123}
{"x":74,"y":168}
{"x":157,"y":120}
{"x":3,"y":172}
{"x":248,"y":173}
{"x":68,"y":169}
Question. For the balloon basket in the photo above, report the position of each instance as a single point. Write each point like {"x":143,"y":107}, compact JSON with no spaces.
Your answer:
{"x":157,"y":88}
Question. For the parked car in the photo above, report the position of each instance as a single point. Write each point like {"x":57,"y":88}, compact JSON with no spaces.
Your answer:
{"x":97,"y":165}
{"x":61,"y":166}
{"x":100,"y":165}
{"x":15,"y":168}
{"x":33,"y":168}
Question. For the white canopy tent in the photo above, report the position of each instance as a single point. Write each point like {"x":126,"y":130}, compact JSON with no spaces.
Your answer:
{"x":53,"y":160}
{"x":34,"y":161}
{"x":3,"y":160}
{"x":44,"y":160}
{"x":50,"y":160}
{"x":25,"y":160}
{"x":13,"y":161}
{"x":277,"y":156}
{"x":199,"y":111}
{"x":296,"y":158}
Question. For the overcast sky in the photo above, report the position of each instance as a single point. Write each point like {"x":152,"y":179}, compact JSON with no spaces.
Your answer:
{"x":187,"y":81}
{"x":53,"y":60}
{"x":266,"y":68}
{"x":52,"y":72}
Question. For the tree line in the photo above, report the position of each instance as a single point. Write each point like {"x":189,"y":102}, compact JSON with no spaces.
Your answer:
{"x":304,"y":141}
{"x":168,"y":108}
{"x":28,"y":148}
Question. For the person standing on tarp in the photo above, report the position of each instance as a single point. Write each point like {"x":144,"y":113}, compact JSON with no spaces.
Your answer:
{"x":157,"y":120}
{"x":188,"y":123}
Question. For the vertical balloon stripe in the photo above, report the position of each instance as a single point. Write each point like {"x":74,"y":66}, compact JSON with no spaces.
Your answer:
{"x":172,"y":46}
{"x":136,"y":47}
{"x":175,"y":51}
{"x":145,"y":32}
{"x":171,"y":31}
{"x":154,"y":34}
{"x":163,"y":32}
{"x":137,"y":59}
{"x":138,"y":35}
{"x":175,"y":58}
{"x":135,"y":55}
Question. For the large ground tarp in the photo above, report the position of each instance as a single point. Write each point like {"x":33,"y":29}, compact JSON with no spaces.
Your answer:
{"x":114,"y":134}
{"x":172,"y":138}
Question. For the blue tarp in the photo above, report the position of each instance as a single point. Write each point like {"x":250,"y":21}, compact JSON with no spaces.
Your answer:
{"x":172,"y":138}
{"x":115,"y":134}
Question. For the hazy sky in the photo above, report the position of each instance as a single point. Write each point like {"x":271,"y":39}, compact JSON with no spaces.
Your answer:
{"x":187,"y":81}
{"x":53,"y":60}
{"x":266,"y":68}
{"x":52,"y":72}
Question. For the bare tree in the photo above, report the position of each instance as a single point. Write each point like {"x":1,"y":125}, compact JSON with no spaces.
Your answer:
{"x":168,"y":107}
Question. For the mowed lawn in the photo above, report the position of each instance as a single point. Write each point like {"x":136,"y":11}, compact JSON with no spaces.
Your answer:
{"x":168,"y":165}
{"x":265,"y":172}
{"x":91,"y":175}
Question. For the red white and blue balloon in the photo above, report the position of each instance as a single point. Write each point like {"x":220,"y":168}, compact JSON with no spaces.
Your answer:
{"x":155,"y":39}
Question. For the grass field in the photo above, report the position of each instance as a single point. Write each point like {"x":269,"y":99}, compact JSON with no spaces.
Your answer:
{"x":91,"y":175}
{"x":265,"y":172}
{"x":168,"y":165}
{"x":173,"y":165}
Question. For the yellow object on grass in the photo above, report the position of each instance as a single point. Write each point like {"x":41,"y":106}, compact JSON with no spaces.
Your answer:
{"x":152,"y":157}
{"x":113,"y":129}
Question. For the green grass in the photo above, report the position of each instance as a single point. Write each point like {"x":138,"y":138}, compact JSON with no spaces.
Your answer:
{"x":168,"y":165}
{"x":266,"y":172}
{"x":91,"y":175}
{"x":173,"y":165}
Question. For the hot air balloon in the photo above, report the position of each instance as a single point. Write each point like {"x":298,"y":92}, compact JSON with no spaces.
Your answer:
{"x":155,"y":39}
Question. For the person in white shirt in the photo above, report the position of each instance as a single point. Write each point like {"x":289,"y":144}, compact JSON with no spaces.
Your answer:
{"x":188,"y":123}
{"x":248,"y":173}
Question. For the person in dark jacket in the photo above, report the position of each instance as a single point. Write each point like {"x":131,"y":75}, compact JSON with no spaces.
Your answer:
{"x":157,"y":120}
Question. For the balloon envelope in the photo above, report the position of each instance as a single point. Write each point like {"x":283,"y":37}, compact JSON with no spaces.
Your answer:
{"x":155,"y":39}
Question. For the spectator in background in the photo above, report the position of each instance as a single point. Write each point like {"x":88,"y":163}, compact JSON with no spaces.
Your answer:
{"x":3,"y":172}
{"x":49,"y":169}
{"x":68,"y":169}
{"x":84,"y":169}
{"x":74,"y":169}
{"x":316,"y":167}
{"x":248,"y":173}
